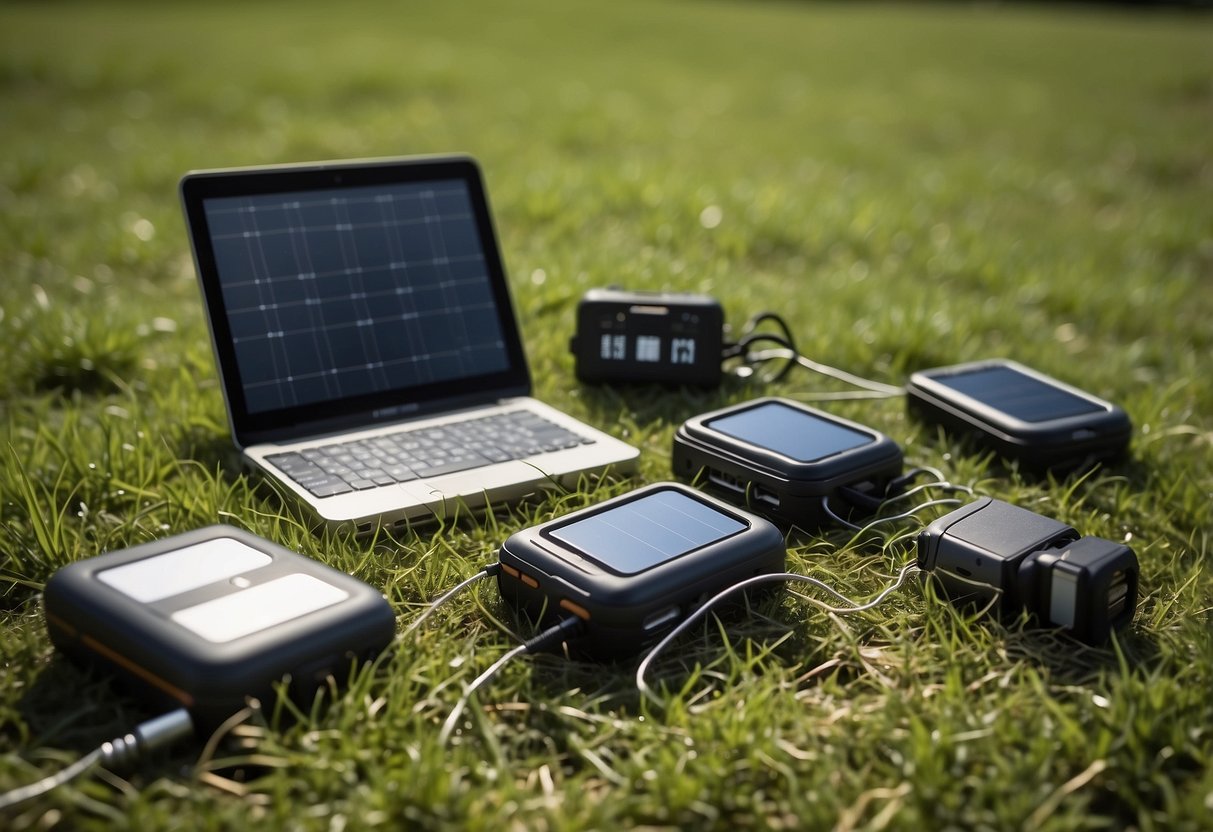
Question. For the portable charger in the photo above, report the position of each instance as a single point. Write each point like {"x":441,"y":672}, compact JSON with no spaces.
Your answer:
{"x":207,"y":619}
{"x":995,"y":553}
{"x":782,"y":459}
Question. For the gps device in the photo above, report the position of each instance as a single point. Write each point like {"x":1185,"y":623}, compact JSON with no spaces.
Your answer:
{"x":648,"y":337}
{"x":1020,"y":414}
{"x":632,"y":567}
{"x":211,"y":617}
{"x":782,"y":458}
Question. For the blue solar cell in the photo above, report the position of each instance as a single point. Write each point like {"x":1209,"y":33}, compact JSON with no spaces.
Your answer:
{"x":344,"y":292}
{"x":789,"y":431}
{"x":640,"y":534}
{"x":1018,"y":395}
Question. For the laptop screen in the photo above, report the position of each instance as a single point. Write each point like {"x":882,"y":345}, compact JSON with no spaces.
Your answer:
{"x":352,"y":291}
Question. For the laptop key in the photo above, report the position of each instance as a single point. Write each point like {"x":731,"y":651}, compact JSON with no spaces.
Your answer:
{"x":331,"y":488}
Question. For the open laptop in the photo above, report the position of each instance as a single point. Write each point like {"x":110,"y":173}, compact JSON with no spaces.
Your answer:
{"x":369,"y":354}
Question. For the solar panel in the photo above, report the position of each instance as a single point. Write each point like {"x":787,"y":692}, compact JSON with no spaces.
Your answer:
{"x":1019,"y":396}
{"x":790,"y":431}
{"x":643,"y":533}
{"x":344,"y":292}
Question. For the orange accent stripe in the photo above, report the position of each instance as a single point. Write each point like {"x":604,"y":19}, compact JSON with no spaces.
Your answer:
{"x":142,"y":672}
{"x":528,"y":580}
{"x":68,"y":629}
{"x":576,"y":609}
{"x":509,"y":570}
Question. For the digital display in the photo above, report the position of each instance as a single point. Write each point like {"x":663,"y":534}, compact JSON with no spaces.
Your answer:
{"x":343,"y":292}
{"x":643,"y":533}
{"x":1018,"y":395}
{"x":789,"y":431}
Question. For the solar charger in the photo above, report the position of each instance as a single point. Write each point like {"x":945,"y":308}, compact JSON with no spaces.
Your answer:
{"x":632,"y":567}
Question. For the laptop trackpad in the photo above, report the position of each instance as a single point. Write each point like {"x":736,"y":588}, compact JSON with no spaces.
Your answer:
{"x":466,"y":483}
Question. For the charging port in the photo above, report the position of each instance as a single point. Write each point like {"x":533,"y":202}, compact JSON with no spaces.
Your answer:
{"x":661,"y":618}
{"x":725,"y":481}
{"x":759,"y":495}
{"x":1118,"y":593}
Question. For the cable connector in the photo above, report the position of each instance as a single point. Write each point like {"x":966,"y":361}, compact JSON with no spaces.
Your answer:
{"x":1014,"y":559}
{"x":119,"y":752}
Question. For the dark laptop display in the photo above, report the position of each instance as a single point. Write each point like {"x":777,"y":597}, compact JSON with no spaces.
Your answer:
{"x":338,"y":298}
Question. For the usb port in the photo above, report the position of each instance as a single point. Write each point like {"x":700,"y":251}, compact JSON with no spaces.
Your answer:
{"x":660,"y":619}
{"x":1118,"y":593}
{"x":759,"y":495}
{"x":725,"y":481}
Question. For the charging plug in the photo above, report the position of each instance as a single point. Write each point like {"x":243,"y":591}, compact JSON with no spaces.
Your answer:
{"x":1014,"y":559}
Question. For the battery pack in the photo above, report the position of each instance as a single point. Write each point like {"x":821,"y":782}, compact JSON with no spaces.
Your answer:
{"x":212,"y":617}
{"x":631,"y":568}
{"x":782,"y":458}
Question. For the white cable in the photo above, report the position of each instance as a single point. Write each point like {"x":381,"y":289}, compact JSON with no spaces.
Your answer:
{"x":690,"y":620}
{"x":879,"y":387}
{"x":483,"y":573}
{"x":905,"y":515}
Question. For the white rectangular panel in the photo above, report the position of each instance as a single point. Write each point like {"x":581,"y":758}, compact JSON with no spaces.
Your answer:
{"x":163,"y":576}
{"x":259,"y":608}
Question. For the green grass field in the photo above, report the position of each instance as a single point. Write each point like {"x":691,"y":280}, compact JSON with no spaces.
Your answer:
{"x":910,"y":185}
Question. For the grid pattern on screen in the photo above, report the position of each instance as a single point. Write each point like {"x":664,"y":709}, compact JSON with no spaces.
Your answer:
{"x":1019,"y":396}
{"x":344,"y":292}
{"x":791,"y":432}
{"x":643,"y":533}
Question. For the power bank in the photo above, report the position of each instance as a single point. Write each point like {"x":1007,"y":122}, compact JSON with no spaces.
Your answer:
{"x":781,"y":458}
{"x":632,"y":567}
{"x":1020,"y":414}
{"x":209,"y":618}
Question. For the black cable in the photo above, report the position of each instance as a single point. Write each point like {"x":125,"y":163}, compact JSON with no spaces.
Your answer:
{"x":787,"y":351}
{"x":120,"y":751}
{"x":549,"y":638}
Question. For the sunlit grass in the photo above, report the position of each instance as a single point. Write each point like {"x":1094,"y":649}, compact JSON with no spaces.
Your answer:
{"x":909,"y":185}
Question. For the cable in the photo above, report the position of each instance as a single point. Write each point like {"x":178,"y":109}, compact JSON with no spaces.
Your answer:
{"x":690,"y":620}
{"x":905,"y":515}
{"x":787,"y":351}
{"x":121,"y":751}
{"x":547,"y":639}
{"x":877,"y":389}
{"x":488,"y":571}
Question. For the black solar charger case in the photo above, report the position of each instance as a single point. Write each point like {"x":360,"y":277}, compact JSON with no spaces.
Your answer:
{"x":633,"y":567}
{"x":782,"y":458}
{"x":211,"y":617}
{"x":1020,"y":414}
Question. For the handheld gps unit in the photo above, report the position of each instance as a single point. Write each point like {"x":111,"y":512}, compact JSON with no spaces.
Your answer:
{"x":209,"y":618}
{"x":634,"y":566}
{"x":1020,"y":414}
{"x":648,"y":337}
{"x":781,"y":458}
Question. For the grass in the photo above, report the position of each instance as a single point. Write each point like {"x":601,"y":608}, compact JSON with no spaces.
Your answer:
{"x":911,"y":185}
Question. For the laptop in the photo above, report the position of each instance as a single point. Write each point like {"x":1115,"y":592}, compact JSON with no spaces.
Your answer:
{"x":368,"y":350}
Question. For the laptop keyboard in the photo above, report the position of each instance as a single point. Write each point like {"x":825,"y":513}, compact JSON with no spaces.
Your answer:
{"x":420,"y":453}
